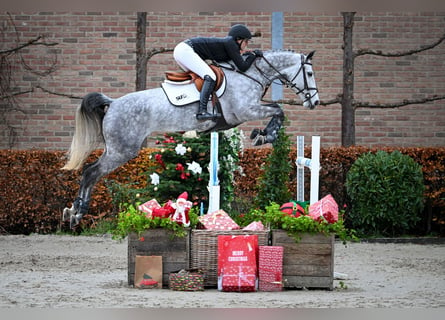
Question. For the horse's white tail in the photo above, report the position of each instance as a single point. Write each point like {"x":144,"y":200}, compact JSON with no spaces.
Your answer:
{"x":88,"y":129}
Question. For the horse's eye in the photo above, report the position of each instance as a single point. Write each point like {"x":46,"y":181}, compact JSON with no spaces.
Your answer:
{"x":310,"y":74}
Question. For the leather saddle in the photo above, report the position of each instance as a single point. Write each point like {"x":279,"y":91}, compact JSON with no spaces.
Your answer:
{"x":189,"y":76}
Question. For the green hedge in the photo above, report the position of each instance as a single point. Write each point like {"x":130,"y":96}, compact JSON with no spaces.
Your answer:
{"x":34,"y":190}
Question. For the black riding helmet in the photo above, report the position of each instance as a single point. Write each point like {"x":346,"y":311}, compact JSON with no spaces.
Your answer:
{"x":240,"y":31}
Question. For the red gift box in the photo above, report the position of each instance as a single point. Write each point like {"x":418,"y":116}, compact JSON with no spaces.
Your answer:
{"x":326,"y":209}
{"x":148,"y":207}
{"x":237,"y":264}
{"x":218,"y":220}
{"x":254,"y":226}
{"x":239,"y":279}
{"x":270,"y":268}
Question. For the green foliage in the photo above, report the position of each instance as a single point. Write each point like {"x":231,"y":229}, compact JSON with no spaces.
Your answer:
{"x":131,"y":220}
{"x":273,"y":183}
{"x":386,"y":191}
{"x":273,"y":218}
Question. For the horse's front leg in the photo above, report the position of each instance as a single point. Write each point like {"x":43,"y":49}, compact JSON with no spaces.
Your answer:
{"x":270,"y":133}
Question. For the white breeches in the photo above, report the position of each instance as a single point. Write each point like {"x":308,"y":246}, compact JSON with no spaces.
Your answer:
{"x":189,"y":60}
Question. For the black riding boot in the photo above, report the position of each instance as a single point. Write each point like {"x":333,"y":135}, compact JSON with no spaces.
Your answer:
{"x":206,"y":91}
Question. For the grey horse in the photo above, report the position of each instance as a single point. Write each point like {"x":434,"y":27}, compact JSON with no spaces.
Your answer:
{"x":122,"y":124}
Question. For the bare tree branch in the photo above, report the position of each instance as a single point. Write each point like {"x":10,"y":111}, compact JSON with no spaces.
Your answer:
{"x":296,"y":102}
{"x":361,"y":52}
{"x":32,"y":42}
{"x":15,"y":94}
{"x":155,"y":51}
{"x":406,"y":102}
{"x":58,"y":94}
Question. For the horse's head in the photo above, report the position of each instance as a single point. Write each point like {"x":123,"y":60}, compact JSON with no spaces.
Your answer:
{"x":304,"y":83}
{"x":295,"y":71}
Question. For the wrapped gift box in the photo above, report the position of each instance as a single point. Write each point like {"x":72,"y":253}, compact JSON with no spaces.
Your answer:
{"x":148,"y":207}
{"x":238,"y":278}
{"x":326,"y":208}
{"x":270,"y":268}
{"x":254,"y":226}
{"x":218,"y":220}
{"x":187,"y":280}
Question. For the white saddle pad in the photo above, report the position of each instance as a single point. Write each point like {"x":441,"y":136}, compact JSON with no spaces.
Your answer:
{"x":183,"y":93}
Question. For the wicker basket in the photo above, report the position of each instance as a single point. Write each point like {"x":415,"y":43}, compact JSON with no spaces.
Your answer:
{"x":204,"y":250}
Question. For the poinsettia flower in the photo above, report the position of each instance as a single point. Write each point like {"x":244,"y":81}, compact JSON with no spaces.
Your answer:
{"x":180,"y":149}
{"x":154,"y":178}
{"x":194,"y":167}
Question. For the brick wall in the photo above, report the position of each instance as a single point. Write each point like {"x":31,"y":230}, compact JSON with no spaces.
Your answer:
{"x":96,"y":52}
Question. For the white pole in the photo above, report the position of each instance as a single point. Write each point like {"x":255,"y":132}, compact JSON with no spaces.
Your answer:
{"x":214,"y":188}
{"x":313,"y":164}
{"x":300,"y":168}
{"x":315,"y":168}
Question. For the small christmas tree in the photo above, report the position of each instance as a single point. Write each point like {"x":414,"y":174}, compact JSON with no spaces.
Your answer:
{"x":181,"y":166}
{"x":273,"y":183}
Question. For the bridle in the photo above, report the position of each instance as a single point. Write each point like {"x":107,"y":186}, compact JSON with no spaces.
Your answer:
{"x":284,"y":80}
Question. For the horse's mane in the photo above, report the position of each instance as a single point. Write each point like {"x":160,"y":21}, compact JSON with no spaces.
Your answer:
{"x":280,"y":50}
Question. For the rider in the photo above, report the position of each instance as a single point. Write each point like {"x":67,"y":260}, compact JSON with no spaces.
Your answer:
{"x":191,"y":53}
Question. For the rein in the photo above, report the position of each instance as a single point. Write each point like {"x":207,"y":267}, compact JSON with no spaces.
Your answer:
{"x":281,"y":77}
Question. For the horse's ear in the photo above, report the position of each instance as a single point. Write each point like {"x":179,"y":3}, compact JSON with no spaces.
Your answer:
{"x":310,"y":55}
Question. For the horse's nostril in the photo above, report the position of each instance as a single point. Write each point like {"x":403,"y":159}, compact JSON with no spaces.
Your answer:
{"x":317,"y":102}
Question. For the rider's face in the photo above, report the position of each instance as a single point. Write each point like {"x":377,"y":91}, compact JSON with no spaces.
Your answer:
{"x":243,"y":44}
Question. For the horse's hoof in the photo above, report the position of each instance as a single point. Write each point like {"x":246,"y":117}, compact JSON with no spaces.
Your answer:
{"x":75,"y":220}
{"x":259,"y":140}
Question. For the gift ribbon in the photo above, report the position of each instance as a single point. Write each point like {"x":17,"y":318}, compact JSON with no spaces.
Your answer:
{"x":241,"y":277}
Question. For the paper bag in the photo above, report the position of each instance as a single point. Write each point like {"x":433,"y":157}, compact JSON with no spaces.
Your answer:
{"x":237,"y":263}
{"x":148,"y":272}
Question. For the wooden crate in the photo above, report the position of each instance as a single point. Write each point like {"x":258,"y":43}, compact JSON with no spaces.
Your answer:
{"x":159,"y":242}
{"x":204,"y":250}
{"x":308,"y":263}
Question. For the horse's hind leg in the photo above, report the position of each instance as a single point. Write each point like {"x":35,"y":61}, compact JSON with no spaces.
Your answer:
{"x":91,"y":174}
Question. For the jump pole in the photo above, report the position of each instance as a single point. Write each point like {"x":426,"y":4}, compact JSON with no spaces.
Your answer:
{"x":214,"y":188}
{"x":313,"y":164}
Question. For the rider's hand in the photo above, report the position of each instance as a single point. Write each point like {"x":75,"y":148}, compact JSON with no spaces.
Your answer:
{"x":258,"y":53}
